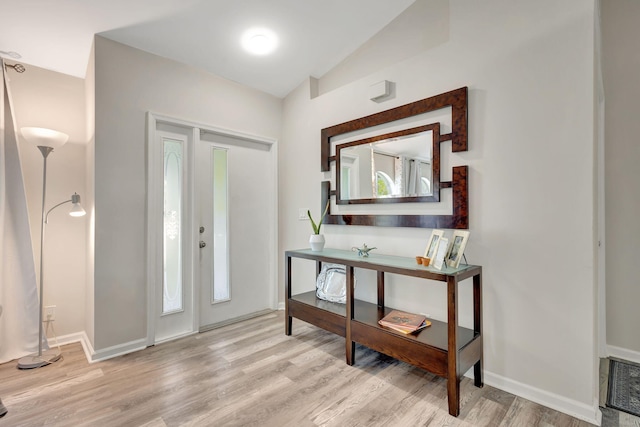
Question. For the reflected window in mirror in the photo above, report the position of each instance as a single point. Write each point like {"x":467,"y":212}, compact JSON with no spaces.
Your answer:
{"x":395,"y":167}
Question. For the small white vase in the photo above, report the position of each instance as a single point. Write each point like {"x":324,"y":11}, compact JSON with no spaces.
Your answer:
{"x":317,"y":242}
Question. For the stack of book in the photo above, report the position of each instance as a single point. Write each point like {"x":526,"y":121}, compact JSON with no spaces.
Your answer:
{"x":407,"y":323}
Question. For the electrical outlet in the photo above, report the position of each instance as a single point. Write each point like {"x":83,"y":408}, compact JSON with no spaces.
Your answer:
{"x":50,"y":312}
{"x":302,"y":213}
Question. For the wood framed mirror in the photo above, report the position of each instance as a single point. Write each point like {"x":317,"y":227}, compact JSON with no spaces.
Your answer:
{"x":399,"y":175}
{"x":396,"y":167}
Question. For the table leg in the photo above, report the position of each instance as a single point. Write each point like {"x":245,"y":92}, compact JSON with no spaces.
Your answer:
{"x":288,"y":320}
{"x":349,"y":344}
{"x":477,"y":326}
{"x":453,"y":395}
{"x":381,"y":289}
{"x":453,"y":380}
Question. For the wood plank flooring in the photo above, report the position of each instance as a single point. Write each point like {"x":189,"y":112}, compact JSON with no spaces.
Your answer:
{"x":252,"y":374}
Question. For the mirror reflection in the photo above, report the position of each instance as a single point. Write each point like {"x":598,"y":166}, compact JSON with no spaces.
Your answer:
{"x":385,"y":170}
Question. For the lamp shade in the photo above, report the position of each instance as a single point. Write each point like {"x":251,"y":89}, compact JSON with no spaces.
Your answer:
{"x":41,"y":137}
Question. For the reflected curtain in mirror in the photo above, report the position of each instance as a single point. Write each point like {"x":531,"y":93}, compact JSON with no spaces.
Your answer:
{"x":390,"y":168}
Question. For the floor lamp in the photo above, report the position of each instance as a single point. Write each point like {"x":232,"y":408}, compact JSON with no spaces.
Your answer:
{"x":46,"y":140}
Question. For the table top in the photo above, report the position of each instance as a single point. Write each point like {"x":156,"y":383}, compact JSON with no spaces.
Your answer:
{"x":377,"y":261}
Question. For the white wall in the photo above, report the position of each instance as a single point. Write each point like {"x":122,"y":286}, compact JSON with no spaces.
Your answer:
{"x":129,"y":83}
{"x":52,"y":100}
{"x":621,"y":67}
{"x":423,"y":25}
{"x":531,"y":157}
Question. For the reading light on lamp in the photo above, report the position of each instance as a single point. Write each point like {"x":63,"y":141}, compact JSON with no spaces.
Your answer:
{"x":46,"y":140}
{"x":76,"y":209}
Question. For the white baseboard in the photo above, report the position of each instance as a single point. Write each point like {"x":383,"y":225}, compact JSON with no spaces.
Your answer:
{"x":80,"y":337}
{"x":571,"y":407}
{"x":100,"y":355}
{"x":118,"y":350}
{"x":281,"y":305}
{"x":623,"y":353}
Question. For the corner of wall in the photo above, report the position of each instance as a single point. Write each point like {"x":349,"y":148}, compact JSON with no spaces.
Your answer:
{"x":90,"y":195}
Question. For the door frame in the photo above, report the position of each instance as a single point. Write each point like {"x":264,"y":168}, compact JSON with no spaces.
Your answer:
{"x":153,"y":256}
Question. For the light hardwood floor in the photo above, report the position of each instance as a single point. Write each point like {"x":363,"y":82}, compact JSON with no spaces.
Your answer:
{"x":252,"y":374}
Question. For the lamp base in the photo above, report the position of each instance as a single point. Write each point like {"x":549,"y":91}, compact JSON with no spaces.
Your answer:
{"x":34,"y":361}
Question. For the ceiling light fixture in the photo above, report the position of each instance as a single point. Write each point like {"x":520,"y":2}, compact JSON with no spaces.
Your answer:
{"x":259,"y":41}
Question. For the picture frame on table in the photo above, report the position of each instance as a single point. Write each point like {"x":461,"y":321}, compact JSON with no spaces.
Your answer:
{"x":432,"y":245}
{"x":456,"y":250}
{"x":441,"y":253}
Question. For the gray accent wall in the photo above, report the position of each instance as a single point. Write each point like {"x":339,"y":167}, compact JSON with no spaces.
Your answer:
{"x":621,"y":70}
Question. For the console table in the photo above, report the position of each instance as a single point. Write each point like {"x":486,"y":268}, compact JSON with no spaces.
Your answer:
{"x":444,"y":348}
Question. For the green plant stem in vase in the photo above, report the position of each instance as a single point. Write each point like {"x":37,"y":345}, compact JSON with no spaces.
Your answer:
{"x":317,"y":240}
{"x":316,"y":227}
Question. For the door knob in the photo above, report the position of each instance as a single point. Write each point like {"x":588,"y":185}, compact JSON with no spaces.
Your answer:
{"x":202,"y":244}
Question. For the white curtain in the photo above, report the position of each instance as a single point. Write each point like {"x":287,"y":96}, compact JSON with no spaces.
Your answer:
{"x":18,"y":287}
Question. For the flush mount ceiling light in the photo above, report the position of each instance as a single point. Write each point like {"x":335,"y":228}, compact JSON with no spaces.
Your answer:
{"x":259,"y":41}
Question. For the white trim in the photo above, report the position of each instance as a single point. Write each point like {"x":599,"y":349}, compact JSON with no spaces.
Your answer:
{"x":281,"y":305}
{"x":600,"y":189}
{"x":273,"y":256}
{"x":104,"y":354}
{"x":580,"y":410}
{"x":623,"y":353}
{"x":213,"y":129}
{"x":118,"y":350}
{"x":191,"y":253}
{"x":80,"y":337}
{"x":151,"y":230}
{"x":195,"y":229}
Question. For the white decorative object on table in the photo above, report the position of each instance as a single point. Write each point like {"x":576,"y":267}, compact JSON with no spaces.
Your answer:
{"x":317,"y":240}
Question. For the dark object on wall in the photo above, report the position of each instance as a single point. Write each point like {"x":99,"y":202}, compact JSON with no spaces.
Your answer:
{"x":459,"y":219}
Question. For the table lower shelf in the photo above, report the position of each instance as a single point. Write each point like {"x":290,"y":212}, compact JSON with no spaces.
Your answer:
{"x":428,"y":349}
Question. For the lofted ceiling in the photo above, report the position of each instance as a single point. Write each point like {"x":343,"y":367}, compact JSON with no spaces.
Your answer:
{"x":314,"y":35}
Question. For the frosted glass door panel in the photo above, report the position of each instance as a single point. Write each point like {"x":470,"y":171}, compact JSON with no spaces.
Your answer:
{"x":172,"y":286}
{"x":220,"y":264}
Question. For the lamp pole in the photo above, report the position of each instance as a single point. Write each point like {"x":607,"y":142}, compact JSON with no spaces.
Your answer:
{"x":45,"y":152}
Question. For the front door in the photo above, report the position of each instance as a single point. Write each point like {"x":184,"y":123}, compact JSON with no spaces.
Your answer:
{"x":236,"y":199}
{"x":211,"y":228}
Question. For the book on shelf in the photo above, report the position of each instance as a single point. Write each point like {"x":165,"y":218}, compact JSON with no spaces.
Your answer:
{"x":404,"y":322}
{"x":409,"y":331}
